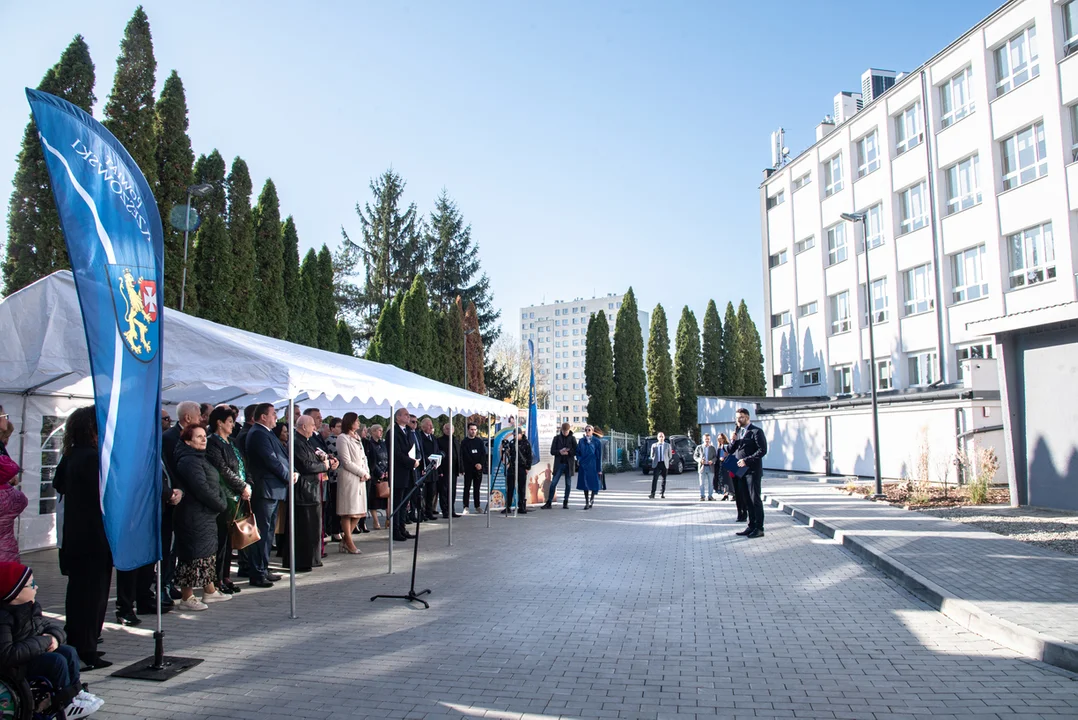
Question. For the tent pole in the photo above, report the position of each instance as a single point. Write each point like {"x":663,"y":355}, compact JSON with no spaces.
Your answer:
{"x":451,"y":478}
{"x":516,"y":472}
{"x":292,"y":507}
{"x":391,"y":513}
{"x":490,"y":458}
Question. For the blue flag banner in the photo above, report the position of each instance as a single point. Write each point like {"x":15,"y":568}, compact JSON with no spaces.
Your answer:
{"x":115,"y":244}
{"x":533,"y":413}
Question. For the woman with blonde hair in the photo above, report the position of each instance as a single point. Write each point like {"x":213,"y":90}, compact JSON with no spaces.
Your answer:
{"x":352,"y":476}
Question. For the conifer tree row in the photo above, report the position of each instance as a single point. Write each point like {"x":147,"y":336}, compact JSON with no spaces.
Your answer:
{"x":599,"y":372}
{"x":662,"y":402}
{"x":687,"y":370}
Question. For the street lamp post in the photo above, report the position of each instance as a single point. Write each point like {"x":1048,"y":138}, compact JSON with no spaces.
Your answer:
{"x":199,"y":190}
{"x":862,"y":217}
{"x":466,"y":334}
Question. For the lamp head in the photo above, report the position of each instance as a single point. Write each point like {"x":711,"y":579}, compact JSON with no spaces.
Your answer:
{"x":853,"y":217}
{"x":200,"y":190}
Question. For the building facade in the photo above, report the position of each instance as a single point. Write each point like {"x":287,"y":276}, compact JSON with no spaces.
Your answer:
{"x":559,"y":331}
{"x":965,"y":170}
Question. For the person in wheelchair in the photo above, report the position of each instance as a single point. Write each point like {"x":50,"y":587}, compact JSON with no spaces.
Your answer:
{"x":31,"y":646}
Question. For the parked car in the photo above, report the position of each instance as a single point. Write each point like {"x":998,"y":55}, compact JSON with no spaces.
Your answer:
{"x":683,"y":447}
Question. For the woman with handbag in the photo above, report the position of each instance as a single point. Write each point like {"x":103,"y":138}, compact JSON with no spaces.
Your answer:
{"x":195,"y":522}
{"x":352,"y":475}
{"x":223,"y":454}
{"x":378,"y":462}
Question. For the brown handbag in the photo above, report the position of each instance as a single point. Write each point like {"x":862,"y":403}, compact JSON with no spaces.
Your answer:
{"x":243,"y":530}
{"x":381,"y":488}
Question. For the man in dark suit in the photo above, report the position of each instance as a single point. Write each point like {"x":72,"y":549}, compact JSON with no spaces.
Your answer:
{"x":248,"y":421}
{"x":474,"y":462}
{"x":406,"y":454}
{"x":448,"y":502}
{"x":563,"y":448}
{"x":749,"y":447}
{"x":429,"y":445}
{"x":267,"y":469}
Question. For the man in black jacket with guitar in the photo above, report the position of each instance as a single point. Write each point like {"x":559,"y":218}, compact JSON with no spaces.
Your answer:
{"x":749,"y":447}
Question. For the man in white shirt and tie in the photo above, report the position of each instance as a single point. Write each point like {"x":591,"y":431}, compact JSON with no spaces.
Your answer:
{"x":705,"y":456}
{"x":660,"y":458}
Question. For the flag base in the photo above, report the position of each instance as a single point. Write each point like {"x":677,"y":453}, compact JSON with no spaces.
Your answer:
{"x":149,"y":669}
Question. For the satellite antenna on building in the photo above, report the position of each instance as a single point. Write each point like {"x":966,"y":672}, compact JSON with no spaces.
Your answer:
{"x":779,"y":152}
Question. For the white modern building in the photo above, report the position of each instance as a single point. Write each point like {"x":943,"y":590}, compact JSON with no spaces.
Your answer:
{"x":965,"y":172}
{"x":559,"y":331}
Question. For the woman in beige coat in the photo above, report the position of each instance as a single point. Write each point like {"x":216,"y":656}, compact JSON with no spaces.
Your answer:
{"x":352,"y":476}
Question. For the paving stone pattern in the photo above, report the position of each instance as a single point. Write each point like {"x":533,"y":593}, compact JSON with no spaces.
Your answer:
{"x":636,"y":609}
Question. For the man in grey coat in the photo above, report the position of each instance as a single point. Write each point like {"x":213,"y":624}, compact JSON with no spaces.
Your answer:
{"x":660,"y":460}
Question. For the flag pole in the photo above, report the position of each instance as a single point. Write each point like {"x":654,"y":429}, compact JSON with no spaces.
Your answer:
{"x":292,"y":507}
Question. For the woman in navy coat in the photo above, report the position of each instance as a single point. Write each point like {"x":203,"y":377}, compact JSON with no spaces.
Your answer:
{"x":589,"y":454}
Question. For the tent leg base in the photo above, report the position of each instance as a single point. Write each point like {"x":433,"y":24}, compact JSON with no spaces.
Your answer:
{"x":149,"y":669}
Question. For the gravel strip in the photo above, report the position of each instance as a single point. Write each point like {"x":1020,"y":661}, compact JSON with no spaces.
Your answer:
{"x":1043,"y":528}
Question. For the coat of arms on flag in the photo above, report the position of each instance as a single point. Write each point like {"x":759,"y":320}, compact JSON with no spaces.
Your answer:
{"x":134,"y":295}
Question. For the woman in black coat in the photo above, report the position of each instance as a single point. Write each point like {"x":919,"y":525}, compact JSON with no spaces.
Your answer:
{"x":195,"y":522}
{"x":226,"y":460}
{"x":378,"y":461}
{"x":308,"y":499}
{"x":85,"y":555}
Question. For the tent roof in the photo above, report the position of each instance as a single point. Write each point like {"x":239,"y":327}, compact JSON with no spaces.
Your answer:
{"x":44,"y":349}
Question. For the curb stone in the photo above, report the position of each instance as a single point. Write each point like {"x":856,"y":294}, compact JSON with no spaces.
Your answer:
{"x":1030,"y":643}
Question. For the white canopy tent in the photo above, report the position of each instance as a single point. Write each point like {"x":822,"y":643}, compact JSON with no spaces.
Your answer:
{"x":44,"y":365}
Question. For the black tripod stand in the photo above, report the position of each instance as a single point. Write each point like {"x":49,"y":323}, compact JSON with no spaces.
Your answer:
{"x":412,"y":595}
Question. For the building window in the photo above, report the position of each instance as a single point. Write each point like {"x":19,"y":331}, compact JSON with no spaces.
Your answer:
{"x":913,"y":208}
{"x":773,"y":201}
{"x":783,"y":380}
{"x":908,"y":133}
{"x":1032,"y":256}
{"x":1073,"y":112}
{"x":802,"y":245}
{"x":1070,"y":27}
{"x":807,"y":309}
{"x":840,"y":312}
{"x":922,"y":367}
{"x":1016,"y":61}
{"x":874,"y":227}
{"x":780,"y":319}
{"x":832,"y":173}
{"x":777,"y":259}
{"x":842,"y":379}
{"x":956,"y":98}
{"x":868,"y":154}
{"x":800,"y":182}
{"x":975,"y":351}
{"x":878,"y":305}
{"x":919,"y":293}
{"x":836,"y":244}
{"x":810,"y":377}
{"x":967,"y":275}
{"x":963,"y":184}
{"x":884,"y":374}
{"x":1024,"y":156}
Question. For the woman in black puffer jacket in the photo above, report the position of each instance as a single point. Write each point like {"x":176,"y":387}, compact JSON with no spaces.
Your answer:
{"x":195,"y":521}
{"x":226,"y":460}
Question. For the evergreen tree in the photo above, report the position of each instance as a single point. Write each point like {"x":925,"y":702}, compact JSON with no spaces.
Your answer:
{"x":344,"y":339}
{"x":599,"y":372}
{"x":325,"y":304}
{"x":208,"y":169}
{"x":271,"y":313}
{"x":35,"y":246}
{"x":241,"y":235}
{"x":387,"y":345}
{"x":451,"y":345}
{"x":750,"y":357}
{"x":454,"y":267}
{"x":630,"y":411}
{"x":298,"y":306}
{"x":129,"y":113}
{"x":687,"y":369}
{"x":418,"y":324}
{"x":662,"y":400}
{"x":211,"y":282}
{"x":174,"y":160}
{"x":730,"y":369}
{"x":711,"y":372}
{"x":477,"y":381}
{"x":304,"y":329}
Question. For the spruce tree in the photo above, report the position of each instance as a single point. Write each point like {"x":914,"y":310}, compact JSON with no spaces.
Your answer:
{"x":174,"y":160}
{"x":271,"y":313}
{"x":325,"y":303}
{"x":451,"y":345}
{"x":212,"y":279}
{"x":241,"y":235}
{"x":662,"y":399}
{"x":687,"y":369}
{"x":344,"y":339}
{"x":129,"y":113}
{"x":298,"y":306}
{"x":731,"y":371}
{"x":476,"y":359}
{"x":630,"y":411}
{"x":711,"y":353}
{"x":599,"y":372}
{"x":208,"y":169}
{"x":304,"y":329}
{"x":35,"y":244}
{"x":388,"y":343}
{"x":418,"y":329}
{"x":750,"y":358}
{"x":454,"y":268}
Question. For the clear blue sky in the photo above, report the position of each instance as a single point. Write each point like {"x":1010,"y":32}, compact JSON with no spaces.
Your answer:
{"x":590,"y":145}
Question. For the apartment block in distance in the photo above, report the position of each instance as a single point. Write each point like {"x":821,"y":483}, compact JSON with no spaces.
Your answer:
{"x":559,"y":331}
{"x":965,"y":169}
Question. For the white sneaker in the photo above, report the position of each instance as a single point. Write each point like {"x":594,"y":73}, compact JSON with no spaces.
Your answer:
{"x":465,"y":512}
{"x":88,"y":700}
{"x":215,"y":596}
{"x":78,"y":710}
{"x":191,"y":603}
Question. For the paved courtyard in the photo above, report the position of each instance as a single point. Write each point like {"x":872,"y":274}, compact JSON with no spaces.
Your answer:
{"x":636,"y":609}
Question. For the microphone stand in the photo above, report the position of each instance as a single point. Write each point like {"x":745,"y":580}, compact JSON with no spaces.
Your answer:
{"x":412,"y":595}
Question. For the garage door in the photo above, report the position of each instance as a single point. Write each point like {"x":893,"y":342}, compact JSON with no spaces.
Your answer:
{"x":1048,"y":367}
